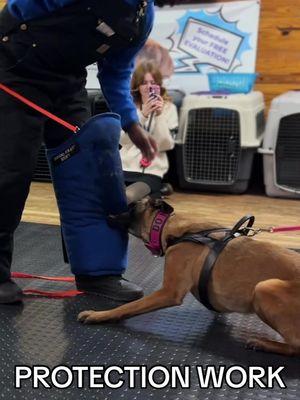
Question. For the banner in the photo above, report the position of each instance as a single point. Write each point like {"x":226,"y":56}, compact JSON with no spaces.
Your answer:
{"x":205,"y":38}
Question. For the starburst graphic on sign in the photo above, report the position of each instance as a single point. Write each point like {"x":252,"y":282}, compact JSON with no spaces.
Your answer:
{"x":208,"y":40}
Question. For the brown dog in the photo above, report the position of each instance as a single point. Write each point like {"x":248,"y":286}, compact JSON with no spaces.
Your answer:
{"x":249,"y":276}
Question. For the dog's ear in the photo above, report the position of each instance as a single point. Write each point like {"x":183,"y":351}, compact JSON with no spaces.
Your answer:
{"x":161,"y":205}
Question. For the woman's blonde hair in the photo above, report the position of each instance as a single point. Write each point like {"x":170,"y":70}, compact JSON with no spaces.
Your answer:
{"x":138,"y":79}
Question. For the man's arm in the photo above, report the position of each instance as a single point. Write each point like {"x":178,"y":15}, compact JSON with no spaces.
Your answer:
{"x":114,"y":75}
{"x":25,"y":10}
{"x":115,"y":84}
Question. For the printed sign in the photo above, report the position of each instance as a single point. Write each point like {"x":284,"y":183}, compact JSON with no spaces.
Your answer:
{"x":208,"y":44}
{"x":202,"y":39}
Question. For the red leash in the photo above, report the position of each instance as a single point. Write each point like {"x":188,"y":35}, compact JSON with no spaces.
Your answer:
{"x":58,"y":294}
{"x":74,"y":129}
{"x":285,"y":229}
{"x":48,"y":114}
{"x":63,"y":294}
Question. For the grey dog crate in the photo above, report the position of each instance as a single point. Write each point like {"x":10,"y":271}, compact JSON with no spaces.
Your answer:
{"x":217,"y":139}
{"x":281,"y":147}
{"x":42,"y":172}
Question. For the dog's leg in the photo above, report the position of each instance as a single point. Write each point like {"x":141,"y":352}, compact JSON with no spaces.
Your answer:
{"x":177,"y":283}
{"x":155,"y":301}
{"x":270,"y":346}
{"x":277,"y":303}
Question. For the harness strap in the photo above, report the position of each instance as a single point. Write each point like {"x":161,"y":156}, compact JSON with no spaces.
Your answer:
{"x":200,"y":237}
{"x":207,"y":269}
{"x":216,"y":247}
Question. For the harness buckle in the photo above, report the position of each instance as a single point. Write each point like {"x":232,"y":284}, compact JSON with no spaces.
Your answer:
{"x":251,"y":231}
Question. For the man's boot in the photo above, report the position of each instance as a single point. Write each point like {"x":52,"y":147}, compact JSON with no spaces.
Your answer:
{"x":10,"y":292}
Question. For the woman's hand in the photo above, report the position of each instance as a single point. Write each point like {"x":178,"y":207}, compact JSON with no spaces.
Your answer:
{"x":154,"y":104}
{"x":159,"y":103}
{"x":149,"y":107}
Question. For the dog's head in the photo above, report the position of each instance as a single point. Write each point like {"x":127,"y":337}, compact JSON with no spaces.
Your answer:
{"x":145,"y":213}
{"x":140,"y":216}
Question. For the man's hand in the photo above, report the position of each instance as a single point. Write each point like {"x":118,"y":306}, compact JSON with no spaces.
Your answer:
{"x":144,"y":142}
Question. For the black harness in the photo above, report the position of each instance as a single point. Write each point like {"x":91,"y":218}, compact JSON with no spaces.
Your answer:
{"x":216,"y":246}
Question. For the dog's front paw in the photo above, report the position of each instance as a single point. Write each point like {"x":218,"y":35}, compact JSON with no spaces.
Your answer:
{"x":94,"y":317}
{"x":86,"y":317}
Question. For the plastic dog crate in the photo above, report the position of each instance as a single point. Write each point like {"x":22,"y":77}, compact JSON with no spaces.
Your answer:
{"x":281,"y":147}
{"x":217,"y":139}
{"x":42,"y":172}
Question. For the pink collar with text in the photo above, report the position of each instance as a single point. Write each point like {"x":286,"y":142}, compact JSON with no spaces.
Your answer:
{"x":154,"y":244}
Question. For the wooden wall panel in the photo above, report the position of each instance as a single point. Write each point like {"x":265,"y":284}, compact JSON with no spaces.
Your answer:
{"x":278,"y":59}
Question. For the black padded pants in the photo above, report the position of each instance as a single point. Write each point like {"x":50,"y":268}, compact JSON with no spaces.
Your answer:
{"x":22,"y":131}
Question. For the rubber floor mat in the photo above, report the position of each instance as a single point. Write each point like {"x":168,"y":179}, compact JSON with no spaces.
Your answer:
{"x":167,"y":354}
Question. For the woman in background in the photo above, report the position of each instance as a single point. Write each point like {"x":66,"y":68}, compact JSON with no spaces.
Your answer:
{"x":158,"y":115}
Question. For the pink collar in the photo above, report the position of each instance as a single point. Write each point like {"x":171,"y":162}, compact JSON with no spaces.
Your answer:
{"x":154,"y":244}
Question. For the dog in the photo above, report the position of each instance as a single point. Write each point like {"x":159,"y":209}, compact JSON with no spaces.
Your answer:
{"x":249,"y":276}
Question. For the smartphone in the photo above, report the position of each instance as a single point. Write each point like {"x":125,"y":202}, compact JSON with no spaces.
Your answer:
{"x":154,"y":91}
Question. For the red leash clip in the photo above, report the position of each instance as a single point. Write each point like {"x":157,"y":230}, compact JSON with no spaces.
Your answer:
{"x":144,"y":163}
